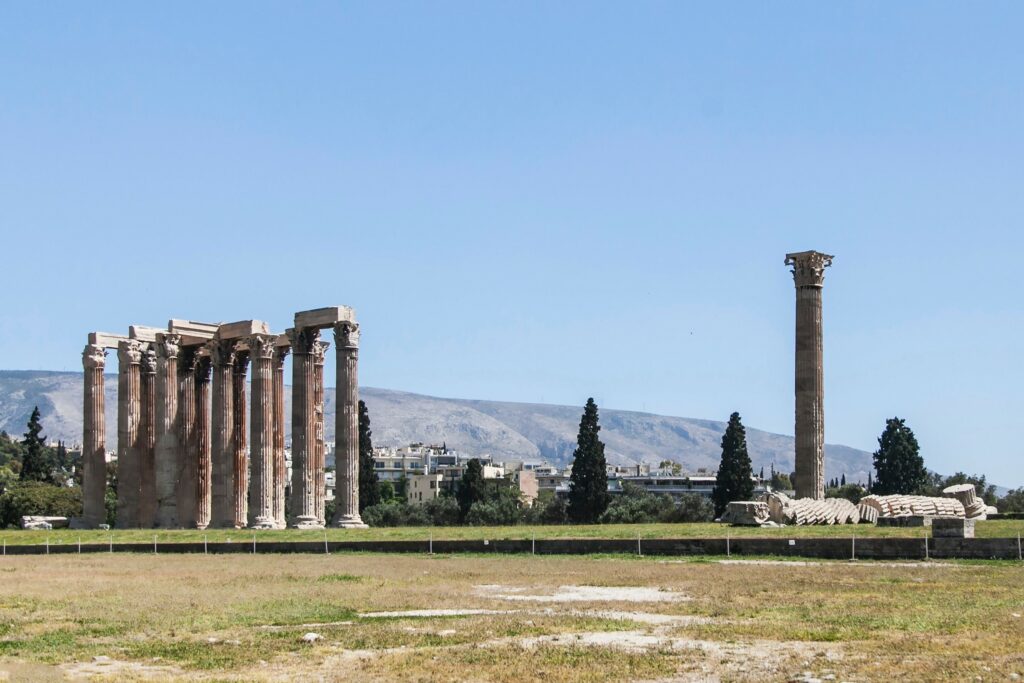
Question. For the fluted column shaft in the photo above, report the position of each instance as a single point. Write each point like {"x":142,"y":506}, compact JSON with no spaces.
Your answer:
{"x":188,"y":471}
{"x":261,"y":488}
{"x":319,"y":459}
{"x":809,"y":277}
{"x":280,"y":466}
{"x":129,"y":414}
{"x":147,"y":439}
{"x":222,"y":451}
{"x":303,"y":504}
{"x":203,"y":462}
{"x":94,"y":438}
{"x":168,"y":445}
{"x":240,"y":445}
{"x":346,"y":429}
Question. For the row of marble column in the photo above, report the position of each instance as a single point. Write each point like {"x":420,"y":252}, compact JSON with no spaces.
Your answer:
{"x":187,"y":444}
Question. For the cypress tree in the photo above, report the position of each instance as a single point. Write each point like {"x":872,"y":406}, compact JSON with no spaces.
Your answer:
{"x":842,"y":482}
{"x":35,"y":464}
{"x":588,"y":484}
{"x":471,"y":488}
{"x":899,"y":467}
{"x":369,"y":491}
{"x":733,"y":481}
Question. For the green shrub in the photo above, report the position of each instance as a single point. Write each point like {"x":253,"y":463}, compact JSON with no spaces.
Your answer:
{"x":38,"y":498}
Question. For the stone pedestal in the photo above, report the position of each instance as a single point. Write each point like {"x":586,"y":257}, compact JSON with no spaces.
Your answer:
{"x":168,"y":446}
{"x":952,"y":527}
{"x":280,"y":464}
{"x":240,"y":444}
{"x":147,"y":439}
{"x":222,"y":451}
{"x":346,"y":429}
{"x":94,"y":438}
{"x":261,"y":488}
{"x":809,"y":277}
{"x":129,"y":418}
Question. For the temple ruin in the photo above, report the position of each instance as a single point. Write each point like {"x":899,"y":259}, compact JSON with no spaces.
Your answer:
{"x":192,"y":454}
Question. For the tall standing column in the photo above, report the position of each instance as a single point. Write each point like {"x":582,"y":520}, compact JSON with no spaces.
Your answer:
{"x":280,"y":466}
{"x":129,"y":413}
{"x":346,"y":428}
{"x":147,"y":439}
{"x":809,"y":277}
{"x":94,"y":438}
{"x":319,"y":459}
{"x":261,"y":441}
{"x":188,"y":461}
{"x":240,"y":443}
{"x":303,"y":504}
{"x":203,"y":464}
{"x":222,"y":358}
{"x":168,"y":446}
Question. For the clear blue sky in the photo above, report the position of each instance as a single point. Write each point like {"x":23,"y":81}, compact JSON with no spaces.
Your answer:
{"x":541,"y":202}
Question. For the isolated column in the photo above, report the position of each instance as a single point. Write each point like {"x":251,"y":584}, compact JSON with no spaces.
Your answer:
{"x":188,"y":461}
{"x":129,"y":413}
{"x":346,"y":428}
{"x":94,"y":438}
{"x":261,"y":441}
{"x":280,"y":466}
{"x":809,"y":277}
{"x":305,"y":343}
{"x":147,"y":439}
{"x":222,"y":450}
{"x":168,"y":446}
{"x":203,"y":464}
{"x":240,"y":442}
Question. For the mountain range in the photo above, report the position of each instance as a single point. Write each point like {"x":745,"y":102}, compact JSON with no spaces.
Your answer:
{"x":505,"y":430}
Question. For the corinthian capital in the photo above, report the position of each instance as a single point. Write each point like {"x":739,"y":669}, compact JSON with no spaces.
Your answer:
{"x":261,"y":346}
{"x":149,"y":360}
{"x":280,"y":353}
{"x":168,"y":345}
{"x":809,"y":267}
{"x":303,"y":340}
{"x":222,"y":352}
{"x":346,"y":335}
{"x":129,"y":351}
{"x":94,"y":357}
{"x":319,"y":351}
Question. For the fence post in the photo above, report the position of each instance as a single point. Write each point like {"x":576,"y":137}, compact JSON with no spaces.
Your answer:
{"x":326,"y":551}
{"x":926,"y":545}
{"x":254,"y":544}
{"x":853,"y":547}
{"x":728,"y":550}
{"x":1019,"y":555}
{"x":639,"y":552}
{"x":79,"y":545}
{"x":111,"y":542}
{"x":47,"y":544}
{"x":206,"y":544}
{"x":533,"y":543}
{"x":154,"y":544}
{"x":430,"y":548}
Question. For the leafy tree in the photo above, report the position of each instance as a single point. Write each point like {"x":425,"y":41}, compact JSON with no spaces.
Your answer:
{"x":734,"y":474}
{"x":36,"y":464}
{"x":1013,"y":501}
{"x":387,"y":491}
{"x":588,"y":483}
{"x":502,"y":508}
{"x":899,"y":467}
{"x":471,"y":489}
{"x":693,"y":507}
{"x":11,"y":452}
{"x":851,"y":492}
{"x":781,"y":482}
{"x":369,"y":492}
{"x":29,"y":497}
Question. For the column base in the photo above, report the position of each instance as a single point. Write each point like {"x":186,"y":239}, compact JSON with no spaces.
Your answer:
{"x":306,"y":522}
{"x":350,"y":522}
{"x":262,"y":523}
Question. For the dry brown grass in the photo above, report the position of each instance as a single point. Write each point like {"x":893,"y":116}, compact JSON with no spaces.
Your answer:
{"x":242,"y":618}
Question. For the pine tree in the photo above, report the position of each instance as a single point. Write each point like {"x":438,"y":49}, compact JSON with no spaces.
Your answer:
{"x":733,"y":481}
{"x":588,"y":484}
{"x":899,"y":467}
{"x":471,"y":488}
{"x":369,"y":491}
{"x":36,"y":465}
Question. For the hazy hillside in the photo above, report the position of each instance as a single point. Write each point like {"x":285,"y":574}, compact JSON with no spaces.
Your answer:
{"x":505,"y":430}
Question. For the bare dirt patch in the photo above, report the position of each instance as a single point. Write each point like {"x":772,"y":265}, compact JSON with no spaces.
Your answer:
{"x":582,"y":594}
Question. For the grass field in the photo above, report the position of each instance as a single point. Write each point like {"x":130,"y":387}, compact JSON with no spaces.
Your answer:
{"x":514,"y":618}
{"x":986,"y":529}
